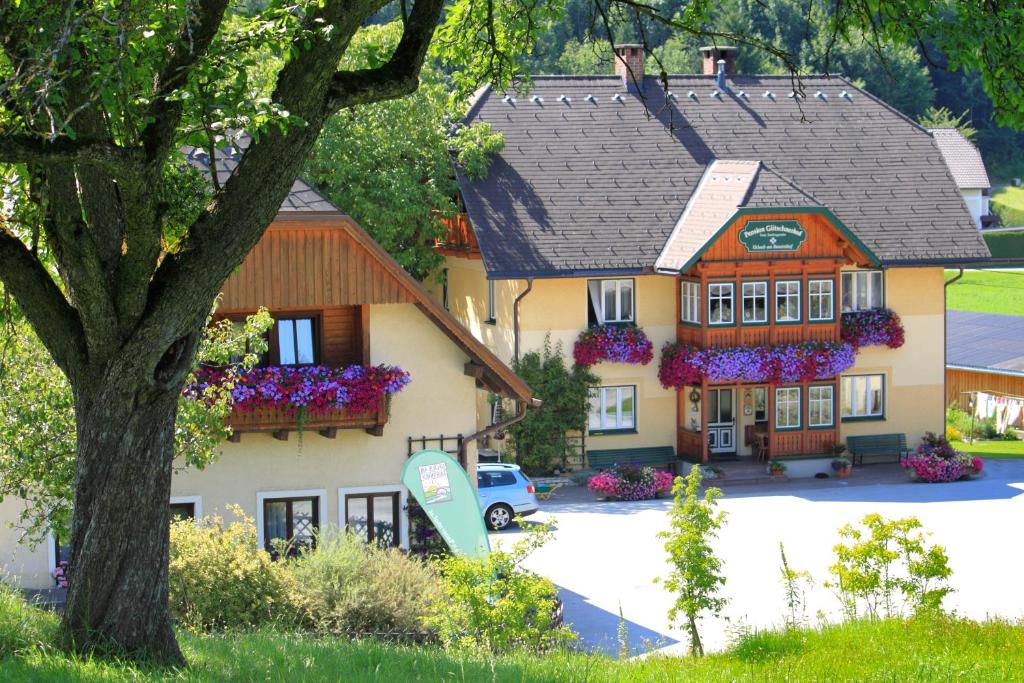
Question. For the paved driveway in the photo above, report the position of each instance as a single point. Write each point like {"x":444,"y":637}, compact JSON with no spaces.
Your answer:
{"x":605,"y":555}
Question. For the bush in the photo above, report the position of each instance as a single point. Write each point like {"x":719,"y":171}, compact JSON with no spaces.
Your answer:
{"x":969,"y":427}
{"x":492,"y":605}
{"x":22,"y":627}
{"x":937,"y":461}
{"x":631,"y":482}
{"x":218,"y":577}
{"x":346,"y":585}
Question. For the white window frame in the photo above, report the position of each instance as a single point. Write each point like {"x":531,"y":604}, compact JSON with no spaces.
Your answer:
{"x":196,"y":501}
{"x":743,"y":301}
{"x":787,"y":296}
{"x":603,"y":286}
{"x":319,"y":494}
{"x":799,"y":408}
{"x":689,"y":301}
{"x":820,"y":401}
{"x":720,"y":298}
{"x":831,"y":295}
{"x":848,"y":384}
{"x":403,"y":507}
{"x":601,"y":405}
{"x":872,"y":280}
{"x":492,"y":306}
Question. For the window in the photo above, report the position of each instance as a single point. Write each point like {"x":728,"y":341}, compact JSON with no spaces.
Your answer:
{"x":720,"y":303}
{"x":787,"y":301}
{"x":863,"y":396}
{"x":862,"y":289}
{"x":612,"y":408}
{"x":755,"y":302}
{"x":689,"y":302}
{"x":609,"y":301}
{"x":819,"y":300}
{"x":295,"y":342}
{"x":492,"y":306}
{"x":291,"y":521}
{"x":760,"y":404}
{"x":182,"y":511}
{"x":820,"y":406}
{"x":787,"y":408}
{"x":374,"y":516}
{"x":490,"y":478}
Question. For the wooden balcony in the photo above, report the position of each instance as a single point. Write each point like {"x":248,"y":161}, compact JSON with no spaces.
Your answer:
{"x":280,"y":423}
{"x":757,"y":335}
{"x":460,"y":240}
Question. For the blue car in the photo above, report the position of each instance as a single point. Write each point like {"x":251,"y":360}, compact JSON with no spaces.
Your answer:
{"x":504,"y":492}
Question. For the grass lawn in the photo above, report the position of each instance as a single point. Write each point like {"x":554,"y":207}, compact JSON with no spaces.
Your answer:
{"x":1006,"y":244}
{"x":930,"y":649}
{"x":987,"y":292}
{"x":1008,"y":202}
{"x":1001,"y":450}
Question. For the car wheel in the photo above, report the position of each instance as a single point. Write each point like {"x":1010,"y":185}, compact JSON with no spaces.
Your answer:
{"x":498,"y":516}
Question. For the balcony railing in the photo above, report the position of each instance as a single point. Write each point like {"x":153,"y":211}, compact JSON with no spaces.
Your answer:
{"x":459,"y":240}
{"x":280,"y":422}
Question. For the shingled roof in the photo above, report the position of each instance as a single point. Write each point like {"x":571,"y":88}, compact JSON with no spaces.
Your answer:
{"x":963,"y":158}
{"x":593,"y":179}
{"x":985,"y":341}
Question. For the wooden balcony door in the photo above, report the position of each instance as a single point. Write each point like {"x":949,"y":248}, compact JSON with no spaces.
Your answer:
{"x":722,"y":421}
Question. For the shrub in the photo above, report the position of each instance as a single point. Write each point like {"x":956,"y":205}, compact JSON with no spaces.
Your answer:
{"x":887,"y":568}
{"x":937,"y":461}
{"x":968,"y":426}
{"x":630,"y":482}
{"x":347,"y":585}
{"x":493,"y":605}
{"x":218,"y":577}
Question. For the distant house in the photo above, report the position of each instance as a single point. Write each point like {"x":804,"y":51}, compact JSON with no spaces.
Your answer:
{"x":968,"y":171}
{"x":984,"y":353}
{"x":338,"y":301}
{"x":717,"y":212}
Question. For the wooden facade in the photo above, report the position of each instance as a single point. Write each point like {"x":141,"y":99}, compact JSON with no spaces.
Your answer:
{"x":821,"y":256}
{"x":460,"y":240}
{"x":959,"y":381}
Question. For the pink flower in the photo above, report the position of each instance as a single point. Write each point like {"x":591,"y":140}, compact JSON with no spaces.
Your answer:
{"x":873,"y":327}
{"x":613,"y":343}
{"x":663,"y":481}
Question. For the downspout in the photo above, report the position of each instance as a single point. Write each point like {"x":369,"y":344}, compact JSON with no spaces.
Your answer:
{"x":515,"y":322}
{"x":945,"y":343}
{"x":487,"y":431}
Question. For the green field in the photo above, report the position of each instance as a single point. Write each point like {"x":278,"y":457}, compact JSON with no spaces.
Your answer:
{"x":1001,"y":450}
{"x":1008,"y":202}
{"x":987,"y":292}
{"x":925,"y":649}
{"x":1006,"y":244}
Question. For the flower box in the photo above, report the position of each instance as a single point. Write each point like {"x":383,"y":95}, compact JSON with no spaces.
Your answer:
{"x":614,"y":344}
{"x":683,"y":365}
{"x":631,"y":482}
{"x":872,"y":327}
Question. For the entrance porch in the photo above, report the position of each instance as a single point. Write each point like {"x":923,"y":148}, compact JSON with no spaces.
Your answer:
{"x":756,"y":422}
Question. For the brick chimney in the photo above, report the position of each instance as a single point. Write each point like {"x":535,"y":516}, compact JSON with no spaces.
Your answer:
{"x":629,"y":65}
{"x":713,"y":53}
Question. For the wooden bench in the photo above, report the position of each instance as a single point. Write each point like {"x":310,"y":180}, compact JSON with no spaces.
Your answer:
{"x":877,"y":444}
{"x":653,"y":455}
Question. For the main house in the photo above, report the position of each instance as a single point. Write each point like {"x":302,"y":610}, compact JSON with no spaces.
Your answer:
{"x":782,"y":249}
{"x":341,"y":307}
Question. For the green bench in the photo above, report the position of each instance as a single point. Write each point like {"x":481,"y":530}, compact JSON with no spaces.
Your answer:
{"x":654,"y":455}
{"x":877,"y":445}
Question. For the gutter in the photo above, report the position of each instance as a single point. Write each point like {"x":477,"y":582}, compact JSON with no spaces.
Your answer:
{"x":515,"y":318}
{"x":521,"y":407}
{"x":985,"y":371}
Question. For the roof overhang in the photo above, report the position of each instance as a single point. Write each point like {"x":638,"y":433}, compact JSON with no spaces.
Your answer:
{"x":985,"y":370}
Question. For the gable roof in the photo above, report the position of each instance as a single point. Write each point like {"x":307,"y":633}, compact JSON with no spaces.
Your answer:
{"x":963,"y":158}
{"x":985,"y":341}
{"x":593,"y":183}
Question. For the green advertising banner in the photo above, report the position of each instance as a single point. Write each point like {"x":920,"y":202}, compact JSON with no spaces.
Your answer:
{"x":445,"y":492}
{"x":758,"y":236}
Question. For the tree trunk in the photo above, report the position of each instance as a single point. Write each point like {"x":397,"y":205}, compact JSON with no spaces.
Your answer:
{"x":696,"y":647}
{"x":117,"y":597}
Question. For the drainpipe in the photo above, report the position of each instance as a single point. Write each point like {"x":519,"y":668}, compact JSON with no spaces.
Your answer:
{"x":521,"y":407}
{"x":515,"y":321}
{"x":945,"y":343}
{"x":956,"y":277}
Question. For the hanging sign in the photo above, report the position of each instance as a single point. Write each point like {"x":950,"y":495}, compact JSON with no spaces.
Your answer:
{"x":760,"y":236}
{"x":445,"y":492}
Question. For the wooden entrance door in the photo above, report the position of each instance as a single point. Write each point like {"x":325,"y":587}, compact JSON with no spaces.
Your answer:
{"x":721,"y":420}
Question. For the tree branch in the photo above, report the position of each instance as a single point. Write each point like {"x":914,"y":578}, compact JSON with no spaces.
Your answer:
{"x":42,"y":302}
{"x":16,"y":149}
{"x":401,"y":74}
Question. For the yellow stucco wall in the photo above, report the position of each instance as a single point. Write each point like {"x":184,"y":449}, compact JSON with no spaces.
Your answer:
{"x":914,"y":373}
{"x":440,"y":399}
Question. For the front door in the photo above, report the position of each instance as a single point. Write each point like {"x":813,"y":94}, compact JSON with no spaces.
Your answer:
{"x":721,"y":421}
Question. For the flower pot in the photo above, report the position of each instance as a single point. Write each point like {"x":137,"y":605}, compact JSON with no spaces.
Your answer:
{"x":777,"y":474}
{"x":844,"y":472}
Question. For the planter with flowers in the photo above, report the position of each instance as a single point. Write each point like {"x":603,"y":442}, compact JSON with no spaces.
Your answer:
{"x":842,"y":467}
{"x":776,"y":468}
{"x":683,"y":365}
{"x":872,"y":327}
{"x":630,"y":482}
{"x":614,"y":344}
{"x":937,"y":461}
{"x":60,"y":574}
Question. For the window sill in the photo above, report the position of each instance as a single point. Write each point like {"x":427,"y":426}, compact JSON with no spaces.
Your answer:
{"x":788,"y":429}
{"x":865,"y":418}
{"x":613,"y":323}
{"x":611,"y":432}
{"x":755,"y":324}
{"x":821,"y":428}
